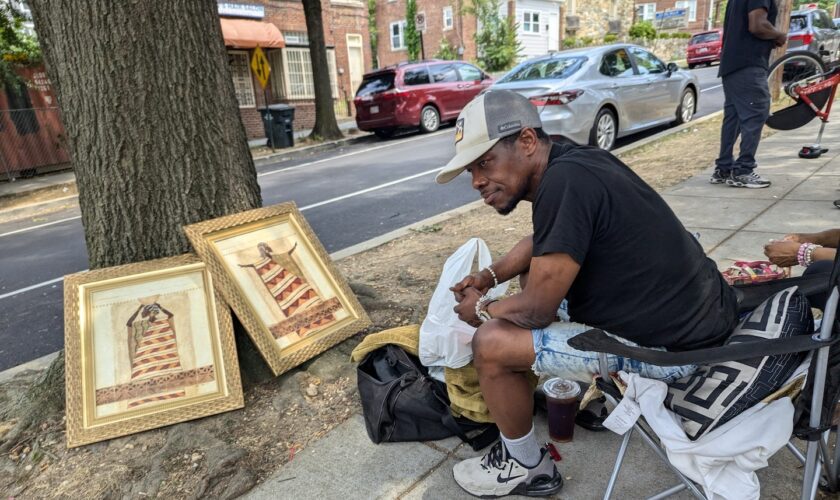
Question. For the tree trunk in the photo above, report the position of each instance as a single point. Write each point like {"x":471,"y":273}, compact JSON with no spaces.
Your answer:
{"x":325,"y":125}
{"x":783,"y":25}
{"x":155,"y":137}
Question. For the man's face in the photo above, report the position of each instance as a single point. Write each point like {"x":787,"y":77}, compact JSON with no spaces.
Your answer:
{"x":499,"y":177}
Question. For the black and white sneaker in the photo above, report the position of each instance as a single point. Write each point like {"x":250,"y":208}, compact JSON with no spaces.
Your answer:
{"x":717,"y":177}
{"x":497,"y":474}
{"x":751,"y":180}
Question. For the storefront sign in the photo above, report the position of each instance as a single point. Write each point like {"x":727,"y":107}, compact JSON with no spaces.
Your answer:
{"x":241,"y":10}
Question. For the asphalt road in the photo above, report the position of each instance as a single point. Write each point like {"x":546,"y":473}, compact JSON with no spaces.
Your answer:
{"x":348,"y":196}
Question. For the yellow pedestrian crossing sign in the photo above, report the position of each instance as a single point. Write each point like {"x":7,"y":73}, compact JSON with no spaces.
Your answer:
{"x":259,"y":63}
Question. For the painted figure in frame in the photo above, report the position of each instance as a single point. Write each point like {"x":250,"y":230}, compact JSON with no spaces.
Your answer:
{"x":153,"y":348}
{"x":296,"y":297}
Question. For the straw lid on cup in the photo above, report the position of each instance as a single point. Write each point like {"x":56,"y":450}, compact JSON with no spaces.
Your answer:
{"x":486,"y":119}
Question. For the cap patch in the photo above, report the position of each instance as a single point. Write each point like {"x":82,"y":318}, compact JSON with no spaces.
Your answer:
{"x":508,"y":126}
{"x":459,"y":130}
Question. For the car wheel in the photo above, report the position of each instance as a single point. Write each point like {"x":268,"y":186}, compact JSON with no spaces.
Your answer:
{"x":685,"y":111}
{"x":429,"y":119}
{"x":603,"y":130}
{"x":691,"y":65}
{"x":384,"y":133}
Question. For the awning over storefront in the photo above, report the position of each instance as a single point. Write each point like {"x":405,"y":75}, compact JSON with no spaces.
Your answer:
{"x":247,"y":34}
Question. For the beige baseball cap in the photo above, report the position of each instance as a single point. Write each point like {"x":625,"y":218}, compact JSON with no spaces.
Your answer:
{"x":483,"y":122}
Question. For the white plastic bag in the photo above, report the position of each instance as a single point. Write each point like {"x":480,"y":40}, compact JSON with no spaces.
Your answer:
{"x":444,"y":339}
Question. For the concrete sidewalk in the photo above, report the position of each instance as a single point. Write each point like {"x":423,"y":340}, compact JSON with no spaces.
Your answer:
{"x":733,"y":223}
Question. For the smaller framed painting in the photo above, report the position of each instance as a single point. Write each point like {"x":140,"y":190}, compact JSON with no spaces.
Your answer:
{"x":280,"y":282}
{"x":146,"y":345}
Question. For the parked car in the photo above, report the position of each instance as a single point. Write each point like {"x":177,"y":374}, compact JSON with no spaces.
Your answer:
{"x":813,"y":30}
{"x":422,"y":94}
{"x":704,"y":48}
{"x":596,"y":95}
{"x":836,"y":23}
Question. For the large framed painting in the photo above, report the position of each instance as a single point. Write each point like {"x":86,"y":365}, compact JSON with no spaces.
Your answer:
{"x":280,"y":282}
{"x":146,"y":345}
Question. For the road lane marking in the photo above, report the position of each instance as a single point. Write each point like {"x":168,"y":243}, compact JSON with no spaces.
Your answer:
{"x":307,"y":207}
{"x":31,"y":287}
{"x":352,"y":153}
{"x":711,"y":88}
{"x":39,"y":226}
{"x":370,"y":189}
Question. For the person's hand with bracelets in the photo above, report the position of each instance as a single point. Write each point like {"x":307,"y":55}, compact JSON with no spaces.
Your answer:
{"x":803,"y":248}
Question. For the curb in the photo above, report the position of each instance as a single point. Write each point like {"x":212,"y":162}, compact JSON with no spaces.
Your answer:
{"x":38,"y":190}
{"x":380,"y":240}
{"x":665,"y":133}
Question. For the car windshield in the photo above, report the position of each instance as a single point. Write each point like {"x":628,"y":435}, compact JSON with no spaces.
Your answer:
{"x":555,"y":68}
{"x":798,"y":23}
{"x":705,"y":38}
{"x":376,"y":83}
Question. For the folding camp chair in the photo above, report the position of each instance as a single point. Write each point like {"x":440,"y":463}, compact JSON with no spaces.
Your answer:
{"x":820,"y":466}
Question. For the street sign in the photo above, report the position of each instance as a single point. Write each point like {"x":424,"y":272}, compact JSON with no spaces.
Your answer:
{"x":420,"y":21}
{"x":671,"y":19}
{"x":260,"y":65}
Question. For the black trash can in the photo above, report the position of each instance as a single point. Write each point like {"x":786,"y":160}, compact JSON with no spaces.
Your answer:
{"x":278,"y":120}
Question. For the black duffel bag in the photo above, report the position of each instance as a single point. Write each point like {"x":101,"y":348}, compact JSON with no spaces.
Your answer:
{"x":401,"y":402}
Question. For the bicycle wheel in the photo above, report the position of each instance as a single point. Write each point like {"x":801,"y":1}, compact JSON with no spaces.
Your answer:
{"x":794,"y":69}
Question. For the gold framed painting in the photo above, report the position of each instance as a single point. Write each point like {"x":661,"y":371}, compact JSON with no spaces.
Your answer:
{"x":279,"y":280}
{"x":146,"y":345}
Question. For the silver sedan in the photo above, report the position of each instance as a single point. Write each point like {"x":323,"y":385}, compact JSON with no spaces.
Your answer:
{"x":596,"y":95}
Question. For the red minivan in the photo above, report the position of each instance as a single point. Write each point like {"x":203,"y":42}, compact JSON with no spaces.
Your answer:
{"x":423,"y":94}
{"x":704,"y":48}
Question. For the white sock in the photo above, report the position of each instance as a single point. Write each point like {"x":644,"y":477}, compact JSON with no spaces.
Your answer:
{"x":526,"y":450}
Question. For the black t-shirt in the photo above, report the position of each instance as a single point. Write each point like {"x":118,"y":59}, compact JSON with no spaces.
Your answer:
{"x":742,"y":49}
{"x":642,"y":275}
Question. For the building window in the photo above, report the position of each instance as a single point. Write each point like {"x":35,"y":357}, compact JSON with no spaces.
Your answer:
{"x":242,"y":82}
{"x":296,"y":38}
{"x":398,"y":35}
{"x":691,"y":5}
{"x":531,"y":22}
{"x":647,"y":11}
{"x":292,"y":74}
{"x":447,"y":18}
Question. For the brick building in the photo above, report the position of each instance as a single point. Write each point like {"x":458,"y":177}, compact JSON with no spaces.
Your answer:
{"x":699,"y":11}
{"x":279,"y":27}
{"x":445,"y":22}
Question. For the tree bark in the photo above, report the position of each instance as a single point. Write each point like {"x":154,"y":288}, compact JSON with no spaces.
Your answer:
{"x":155,"y":137}
{"x":326,"y":126}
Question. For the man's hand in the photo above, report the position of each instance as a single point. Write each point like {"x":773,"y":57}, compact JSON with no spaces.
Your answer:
{"x":782,"y":253}
{"x":780,"y":40}
{"x":482,"y":281}
{"x":466,"y":305}
{"x":795,"y":237}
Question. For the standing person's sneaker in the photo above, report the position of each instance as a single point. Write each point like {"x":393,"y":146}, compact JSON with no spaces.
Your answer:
{"x":717,"y":177}
{"x":498,"y":474}
{"x":751,"y":180}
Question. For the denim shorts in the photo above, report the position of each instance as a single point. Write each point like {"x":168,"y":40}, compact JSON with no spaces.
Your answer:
{"x":556,"y":358}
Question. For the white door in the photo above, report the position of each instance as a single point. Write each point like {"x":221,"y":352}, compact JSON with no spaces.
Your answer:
{"x":553,"y":31}
{"x":355,"y":61}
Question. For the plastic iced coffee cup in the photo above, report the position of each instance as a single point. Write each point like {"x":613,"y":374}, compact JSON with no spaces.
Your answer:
{"x":561,"y":401}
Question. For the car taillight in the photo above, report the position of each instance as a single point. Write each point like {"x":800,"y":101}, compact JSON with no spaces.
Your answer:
{"x":806,"y":38}
{"x":556,"y":99}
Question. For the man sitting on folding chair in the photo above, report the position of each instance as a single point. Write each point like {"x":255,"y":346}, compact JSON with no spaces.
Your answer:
{"x":603,"y":240}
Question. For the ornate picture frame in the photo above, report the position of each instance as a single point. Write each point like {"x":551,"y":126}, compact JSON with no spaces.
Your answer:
{"x":147,"y":345}
{"x":279,"y":280}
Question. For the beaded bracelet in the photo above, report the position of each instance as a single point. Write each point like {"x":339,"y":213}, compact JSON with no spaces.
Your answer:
{"x":493,"y":274}
{"x":800,"y":254}
{"x":809,"y":254}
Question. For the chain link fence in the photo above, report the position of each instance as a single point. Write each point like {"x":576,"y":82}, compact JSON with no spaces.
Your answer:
{"x":32,"y":141}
